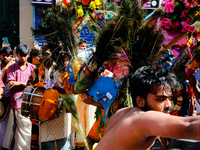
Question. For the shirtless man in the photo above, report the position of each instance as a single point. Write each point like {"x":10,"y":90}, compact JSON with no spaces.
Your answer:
{"x":138,"y":127}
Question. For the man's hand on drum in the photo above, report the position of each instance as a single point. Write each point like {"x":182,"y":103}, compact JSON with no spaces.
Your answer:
{"x":89,"y":100}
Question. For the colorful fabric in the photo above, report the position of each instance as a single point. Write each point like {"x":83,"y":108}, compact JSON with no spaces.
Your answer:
{"x":65,"y":76}
{"x":119,"y":67}
{"x":40,"y":85}
{"x":93,"y":134}
{"x":14,"y":73}
{"x":41,"y":70}
{"x":83,"y":82}
{"x":1,"y":83}
{"x":48,"y":104}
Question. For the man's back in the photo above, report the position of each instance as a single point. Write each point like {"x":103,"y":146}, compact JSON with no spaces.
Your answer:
{"x":119,"y":127}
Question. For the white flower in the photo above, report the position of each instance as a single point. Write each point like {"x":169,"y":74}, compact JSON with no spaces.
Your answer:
{"x":196,"y":26}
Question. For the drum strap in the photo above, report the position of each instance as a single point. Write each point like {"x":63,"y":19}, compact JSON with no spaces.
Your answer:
{"x":34,"y":89}
{"x":31,"y":103}
{"x":33,"y":94}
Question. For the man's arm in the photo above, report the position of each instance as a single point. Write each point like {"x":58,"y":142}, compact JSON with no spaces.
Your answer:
{"x":11,"y":79}
{"x":89,"y":100}
{"x":16,"y":85}
{"x":153,"y":123}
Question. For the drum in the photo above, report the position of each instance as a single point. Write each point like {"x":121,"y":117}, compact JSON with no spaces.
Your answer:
{"x":31,"y":100}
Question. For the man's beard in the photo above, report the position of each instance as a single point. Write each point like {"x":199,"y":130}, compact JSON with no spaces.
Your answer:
{"x":5,"y":62}
{"x":148,"y":107}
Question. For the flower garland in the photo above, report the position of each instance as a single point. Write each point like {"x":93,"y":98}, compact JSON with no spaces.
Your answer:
{"x":181,"y":15}
{"x":82,"y":5}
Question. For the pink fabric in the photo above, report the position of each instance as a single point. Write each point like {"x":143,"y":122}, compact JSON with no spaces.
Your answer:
{"x":175,"y":53}
{"x":119,"y":67}
{"x":1,"y":83}
{"x":169,"y":34}
{"x":14,"y":73}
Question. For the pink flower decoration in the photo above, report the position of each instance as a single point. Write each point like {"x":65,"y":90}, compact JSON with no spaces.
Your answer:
{"x":176,"y":24}
{"x":191,"y":29}
{"x":166,"y":23}
{"x":185,"y":26}
{"x":191,"y":3}
{"x":184,"y":13}
{"x":188,"y":20}
{"x":169,"y":7}
{"x":164,"y":3}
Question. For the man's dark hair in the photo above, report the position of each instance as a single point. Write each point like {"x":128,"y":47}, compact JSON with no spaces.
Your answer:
{"x":6,"y":50}
{"x":147,"y":79}
{"x":22,"y":49}
{"x":82,"y":41}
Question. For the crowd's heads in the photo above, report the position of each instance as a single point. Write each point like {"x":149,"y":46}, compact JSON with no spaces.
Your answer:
{"x":147,"y":80}
{"x":6,"y":50}
{"x":35,"y":53}
{"x":5,"y":54}
{"x":22,"y":49}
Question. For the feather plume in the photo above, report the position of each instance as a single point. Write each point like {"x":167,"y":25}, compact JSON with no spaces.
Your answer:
{"x":56,"y":29}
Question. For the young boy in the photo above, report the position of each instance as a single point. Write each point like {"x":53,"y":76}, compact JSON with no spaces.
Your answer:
{"x":18,"y":131}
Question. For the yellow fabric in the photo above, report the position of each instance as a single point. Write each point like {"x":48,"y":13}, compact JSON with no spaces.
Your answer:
{"x":93,"y":135}
{"x":40,"y":85}
{"x":65,"y":76}
{"x":86,"y":113}
{"x":48,"y":104}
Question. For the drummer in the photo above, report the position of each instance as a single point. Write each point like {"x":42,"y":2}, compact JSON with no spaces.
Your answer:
{"x":20,"y":126}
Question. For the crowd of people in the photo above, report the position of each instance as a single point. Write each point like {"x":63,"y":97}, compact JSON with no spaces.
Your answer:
{"x":20,"y":69}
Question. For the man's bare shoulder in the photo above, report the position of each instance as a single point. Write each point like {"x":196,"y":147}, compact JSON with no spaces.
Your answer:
{"x":120,"y":115}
